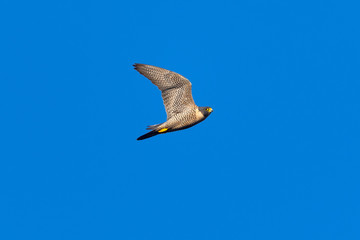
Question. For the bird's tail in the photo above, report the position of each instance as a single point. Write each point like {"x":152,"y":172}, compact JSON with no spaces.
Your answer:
{"x":152,"y":127}
{"x":148,"y":135}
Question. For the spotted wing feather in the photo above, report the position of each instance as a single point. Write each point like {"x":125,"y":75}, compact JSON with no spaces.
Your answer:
{"x":175,"y":89}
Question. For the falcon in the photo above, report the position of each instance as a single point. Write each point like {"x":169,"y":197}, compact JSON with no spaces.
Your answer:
{"x":179,"y":104}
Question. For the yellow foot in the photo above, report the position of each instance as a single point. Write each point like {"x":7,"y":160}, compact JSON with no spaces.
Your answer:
{"x":162,"y":130}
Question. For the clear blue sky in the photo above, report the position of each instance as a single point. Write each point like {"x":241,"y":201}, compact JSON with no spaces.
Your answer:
{"x":278,"y":158}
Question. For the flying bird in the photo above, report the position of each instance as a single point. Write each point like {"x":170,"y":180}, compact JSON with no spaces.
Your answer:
{"x":179,"y":104}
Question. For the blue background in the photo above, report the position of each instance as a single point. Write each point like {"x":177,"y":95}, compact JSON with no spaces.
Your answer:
{"x":278,"y":158}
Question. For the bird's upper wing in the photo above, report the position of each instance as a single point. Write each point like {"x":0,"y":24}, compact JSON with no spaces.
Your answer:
{"x":175,"y":89}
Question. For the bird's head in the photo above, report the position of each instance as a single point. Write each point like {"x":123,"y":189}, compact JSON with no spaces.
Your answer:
{"x":205,"y":110}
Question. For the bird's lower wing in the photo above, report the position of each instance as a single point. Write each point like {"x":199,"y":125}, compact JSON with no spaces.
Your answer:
{"x":175,"y":89}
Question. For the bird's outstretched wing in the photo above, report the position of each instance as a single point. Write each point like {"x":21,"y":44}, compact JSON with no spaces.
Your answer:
{"x":175,"y":89}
